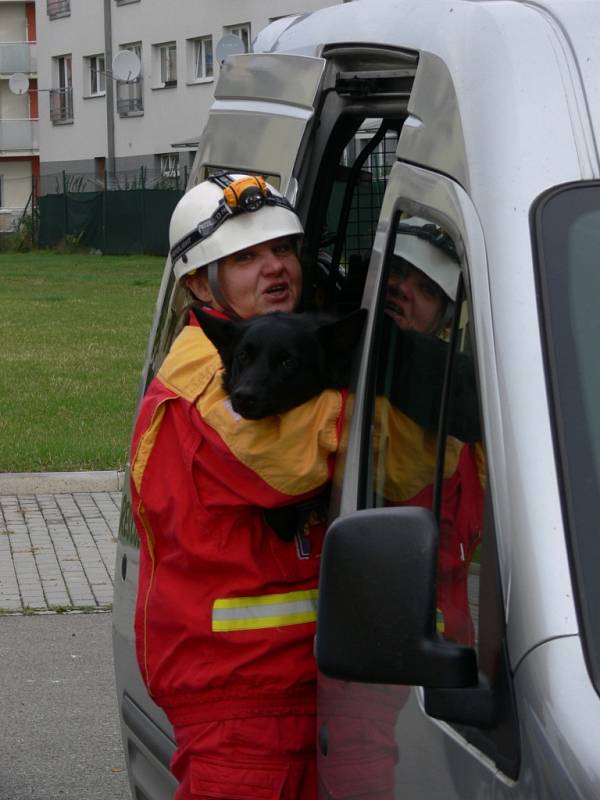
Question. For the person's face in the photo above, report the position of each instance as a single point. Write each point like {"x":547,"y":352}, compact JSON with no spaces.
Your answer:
{"x":257,"y":280}
{"x":413,"y":300}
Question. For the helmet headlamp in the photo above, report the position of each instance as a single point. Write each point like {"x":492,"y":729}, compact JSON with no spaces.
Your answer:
{"x":243,"y":195}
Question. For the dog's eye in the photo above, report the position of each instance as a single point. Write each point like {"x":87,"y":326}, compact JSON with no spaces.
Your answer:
{"x":241,"y":357}
{"x":287,"y":362}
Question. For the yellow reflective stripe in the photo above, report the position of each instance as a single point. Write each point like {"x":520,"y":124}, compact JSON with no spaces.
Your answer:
{"x":264,"y":611}
{"x":221,"y":626}
{"x":266,"y":599}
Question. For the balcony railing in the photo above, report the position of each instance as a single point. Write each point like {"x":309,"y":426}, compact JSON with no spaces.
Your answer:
{"x":58,"y":8}
{"x":18,"y":57}
{"x":130,"y":99}
{"x":18,"y":135}
{"x":61,"y":105}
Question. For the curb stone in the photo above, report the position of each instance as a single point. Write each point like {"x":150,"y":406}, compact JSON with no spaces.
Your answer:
{"x":20,"y":483}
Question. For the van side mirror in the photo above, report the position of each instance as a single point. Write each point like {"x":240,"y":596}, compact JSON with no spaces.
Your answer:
{"x":376,"y":620}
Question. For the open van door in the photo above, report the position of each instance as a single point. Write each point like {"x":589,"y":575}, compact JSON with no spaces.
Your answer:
{"x":263,"y":108}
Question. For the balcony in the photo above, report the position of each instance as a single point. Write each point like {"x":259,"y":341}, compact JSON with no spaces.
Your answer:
{"x":61,"y":106}
{"x":18,"y":57}
{"x":18,"y":136}
{"x":58,"y":8}
{"x":130,"y":99}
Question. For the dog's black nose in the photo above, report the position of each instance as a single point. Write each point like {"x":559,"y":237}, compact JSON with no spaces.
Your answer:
{"x":243,"y":401}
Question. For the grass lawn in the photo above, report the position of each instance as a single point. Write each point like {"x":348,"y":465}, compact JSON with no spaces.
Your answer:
{"x":73,"y":331}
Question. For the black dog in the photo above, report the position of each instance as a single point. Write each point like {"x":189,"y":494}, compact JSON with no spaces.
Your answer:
{"x":278,"y":361}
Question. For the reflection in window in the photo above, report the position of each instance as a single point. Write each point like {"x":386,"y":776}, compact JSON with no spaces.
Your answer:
{"x":419,"y":456}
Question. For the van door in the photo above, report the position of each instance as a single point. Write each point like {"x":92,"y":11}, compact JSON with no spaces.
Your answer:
{"x":417,"y":439}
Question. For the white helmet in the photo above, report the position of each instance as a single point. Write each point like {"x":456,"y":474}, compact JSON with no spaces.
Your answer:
{"x":430,"y":249}
{"x":224,"y":214}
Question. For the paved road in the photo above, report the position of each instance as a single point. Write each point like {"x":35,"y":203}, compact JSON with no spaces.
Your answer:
{"x":59,"y":730}
{"x":57,"y":551}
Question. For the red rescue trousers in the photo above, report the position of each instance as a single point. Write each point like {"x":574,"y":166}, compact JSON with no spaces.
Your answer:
{"x":267,"y":758}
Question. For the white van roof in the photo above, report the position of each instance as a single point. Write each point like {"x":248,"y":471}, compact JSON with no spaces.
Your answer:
{"x":514,"y":84}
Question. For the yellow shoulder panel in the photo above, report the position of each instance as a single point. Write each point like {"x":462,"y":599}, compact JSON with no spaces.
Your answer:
{"x":191,"y":364}
{"x":289,"y":452}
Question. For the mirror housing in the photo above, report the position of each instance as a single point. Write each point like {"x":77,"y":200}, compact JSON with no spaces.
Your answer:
{"x":376,"y":620}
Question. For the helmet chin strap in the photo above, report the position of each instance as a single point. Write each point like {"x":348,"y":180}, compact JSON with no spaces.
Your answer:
{"x":213,"y":281}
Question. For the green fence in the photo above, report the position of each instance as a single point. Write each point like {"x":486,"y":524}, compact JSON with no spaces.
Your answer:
{"x":117,"y":213}
{"x":115,"y":222}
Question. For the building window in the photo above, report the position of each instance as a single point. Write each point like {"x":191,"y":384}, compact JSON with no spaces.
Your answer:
{"x":166,"y":56}
{"x":95,"y":75}
{"x":169,"y":165}
{"x":61,"y":98}
{"x":58,"y":8}
{"x":130,"y":96}
{"x":242,"y":32}
{"x":200,"y":55}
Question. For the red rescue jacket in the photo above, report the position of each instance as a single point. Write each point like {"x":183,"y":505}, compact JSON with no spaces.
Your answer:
{"x":226,"y":610}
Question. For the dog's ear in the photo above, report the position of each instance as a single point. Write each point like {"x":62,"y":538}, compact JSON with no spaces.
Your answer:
{"x":342,"y":335}
{"x":221,"y":332}
{"x":338,"y":339}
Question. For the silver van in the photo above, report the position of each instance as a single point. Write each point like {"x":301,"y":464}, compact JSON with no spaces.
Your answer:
{"x":481,"y":118}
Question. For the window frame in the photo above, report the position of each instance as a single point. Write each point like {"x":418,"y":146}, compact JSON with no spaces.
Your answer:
{"x":243,"y":30}
{"x":95,"y":68}
{"x":166,"y":64}
{"x":500,"y":742}
{"x":170,"y":166}
{"x":56,"y":9}
{"x":131,"y":105}
{"x":572,"y":449}
{"x":61,"y":97}
{"x":197,"y":55}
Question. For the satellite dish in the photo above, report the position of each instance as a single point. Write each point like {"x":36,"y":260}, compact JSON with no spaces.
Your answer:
{"x":126,"y":65}
{"x":18,"y":83}
{"x":229,"y":45}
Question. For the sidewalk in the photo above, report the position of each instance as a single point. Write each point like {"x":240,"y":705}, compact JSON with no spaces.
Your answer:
{"x":58,"y":535}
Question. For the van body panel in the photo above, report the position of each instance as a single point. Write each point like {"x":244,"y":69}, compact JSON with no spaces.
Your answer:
{"x":560,"y":719}
{"x":434,"y":109}
{"x":291,"y":80}
{"x":265,"y":99}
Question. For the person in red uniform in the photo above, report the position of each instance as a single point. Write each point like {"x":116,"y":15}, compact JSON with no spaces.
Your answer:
{"x":226,"y":608}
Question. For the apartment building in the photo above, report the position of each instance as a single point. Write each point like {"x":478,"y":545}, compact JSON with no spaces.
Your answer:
{"x":19,"y":155}
{"x":92,"y":124}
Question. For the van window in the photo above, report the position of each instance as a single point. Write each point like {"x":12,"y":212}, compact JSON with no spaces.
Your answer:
{"x":352,"y":210}
{"x":567,"y":237}
{"x":424,"y":447}
{"x":424,"y":451}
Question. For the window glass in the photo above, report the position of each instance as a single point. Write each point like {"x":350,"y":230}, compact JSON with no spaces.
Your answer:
{"x":242,"y":32}
{"x":568,"y":238}
{"x":168,"y":63}
{"x":425,"y":447}
{"x":97,"y":74}
{"x":421,"y":451}
{"x":201,"y":55}
{"x":130,"y":98}
{"x":353,"y":210}
{"x":58,"y":8}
